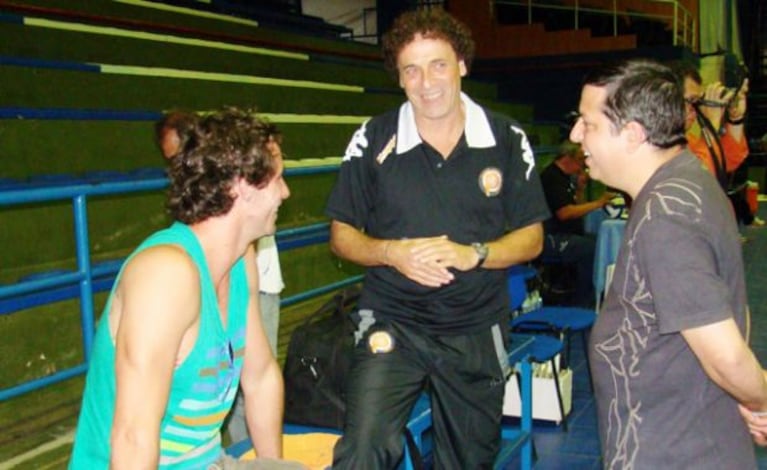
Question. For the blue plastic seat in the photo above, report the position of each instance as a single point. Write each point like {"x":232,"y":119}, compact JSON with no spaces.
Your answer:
{"x":564,"y":321}
{"x":575,"y":319}
{"x":561,"y":321}
{"x":545,"y":349}
{"x":516,"y":281}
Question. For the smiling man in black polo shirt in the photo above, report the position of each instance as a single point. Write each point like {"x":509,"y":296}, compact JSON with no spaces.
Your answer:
{"x":436,"y":199}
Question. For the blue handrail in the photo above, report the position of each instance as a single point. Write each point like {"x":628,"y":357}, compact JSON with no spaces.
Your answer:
{"x":49,"y":287}
{"x":53,"y":286}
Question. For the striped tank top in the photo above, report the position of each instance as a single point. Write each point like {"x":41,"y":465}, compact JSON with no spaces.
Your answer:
{"x":203,"y":386}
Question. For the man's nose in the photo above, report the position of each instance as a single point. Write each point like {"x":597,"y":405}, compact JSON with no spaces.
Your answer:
{"x":576,"y":133}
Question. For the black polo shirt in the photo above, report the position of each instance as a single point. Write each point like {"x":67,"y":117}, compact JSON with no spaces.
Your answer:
{"x":559,"y":188}
{"x":392,"y":185}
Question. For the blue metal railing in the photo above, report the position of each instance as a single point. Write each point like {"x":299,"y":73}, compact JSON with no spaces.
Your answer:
{"x":48,"y":287}
{"x":53,"y":286}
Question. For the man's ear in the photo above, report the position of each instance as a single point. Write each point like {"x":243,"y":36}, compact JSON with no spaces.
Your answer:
{"x":635,"y":135}
{"x":241,"y":189}
{"x":462,"y":67}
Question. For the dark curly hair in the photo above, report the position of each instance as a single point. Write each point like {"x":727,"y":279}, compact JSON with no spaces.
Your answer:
{"x":179,"y":122}
{"x":647,"y":92}
{"x":686,"y":69}
{"x":221,"y":147}
{"x":430,"y":23}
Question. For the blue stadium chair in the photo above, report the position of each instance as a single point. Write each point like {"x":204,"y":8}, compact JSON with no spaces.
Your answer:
{"x":516,"y":281}
{"x":546,"y":349}
{"x":564,"y":321}
{"x":547,"y":321}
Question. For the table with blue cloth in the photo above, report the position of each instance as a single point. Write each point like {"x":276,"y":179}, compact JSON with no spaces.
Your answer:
{"x":593,"y":220}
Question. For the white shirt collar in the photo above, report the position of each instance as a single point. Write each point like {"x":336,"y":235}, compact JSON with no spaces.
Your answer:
{"x":477,"y":127}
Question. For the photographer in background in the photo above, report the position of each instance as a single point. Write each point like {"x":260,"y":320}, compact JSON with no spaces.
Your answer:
{"x":721,"y":145}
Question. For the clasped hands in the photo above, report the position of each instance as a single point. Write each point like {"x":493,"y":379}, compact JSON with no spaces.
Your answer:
{"x":427,"y":261}
{"x":756,"y":420}
{"x":757,"y":424}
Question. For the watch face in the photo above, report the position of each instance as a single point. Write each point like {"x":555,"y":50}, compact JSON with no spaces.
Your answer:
{"x":481,"y":250}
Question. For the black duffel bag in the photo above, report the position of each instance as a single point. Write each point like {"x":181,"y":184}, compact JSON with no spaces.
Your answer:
{"x":317,"y":361}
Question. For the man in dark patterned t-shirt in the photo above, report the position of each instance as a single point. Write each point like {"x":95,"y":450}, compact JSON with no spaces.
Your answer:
{"x":669,"y":360}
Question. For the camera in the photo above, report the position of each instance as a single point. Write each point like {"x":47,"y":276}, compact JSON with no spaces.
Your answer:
{"x":734,"y":75}
{"x":727,"y":90}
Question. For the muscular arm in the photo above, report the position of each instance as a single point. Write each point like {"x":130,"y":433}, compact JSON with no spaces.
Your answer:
{"x":352,"y":244}
{"x":729,"y":362}
{"x":155,"y":305}
{"x":261,"y":379}
{"x":515,"y":247}
{"x":427,"y":260}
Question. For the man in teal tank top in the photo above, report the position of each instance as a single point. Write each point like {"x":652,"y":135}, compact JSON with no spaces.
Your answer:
{"x":181,"y":329}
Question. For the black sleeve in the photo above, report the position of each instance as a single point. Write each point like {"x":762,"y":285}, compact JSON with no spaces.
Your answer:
{"x":351,"y":199}
{"x":524,"y":201}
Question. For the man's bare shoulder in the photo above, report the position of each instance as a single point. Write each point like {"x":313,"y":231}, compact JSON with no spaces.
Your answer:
{"x":162,"y":262}
{"x":162,"y":278}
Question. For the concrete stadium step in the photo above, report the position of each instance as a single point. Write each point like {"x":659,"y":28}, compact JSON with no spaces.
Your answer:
{"x":62,"y":39}
{"x":146,"y":15}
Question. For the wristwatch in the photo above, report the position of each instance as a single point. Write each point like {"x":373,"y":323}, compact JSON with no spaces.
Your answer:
{"x":482,"y":251}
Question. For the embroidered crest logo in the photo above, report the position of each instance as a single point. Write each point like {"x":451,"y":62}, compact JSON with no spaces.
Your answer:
{"x":491,"y":181}
{"x":380,"y":342}
{"x":387,"y":150}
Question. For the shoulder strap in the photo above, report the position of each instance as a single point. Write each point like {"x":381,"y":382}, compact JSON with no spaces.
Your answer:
{"x":710,"y":134}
